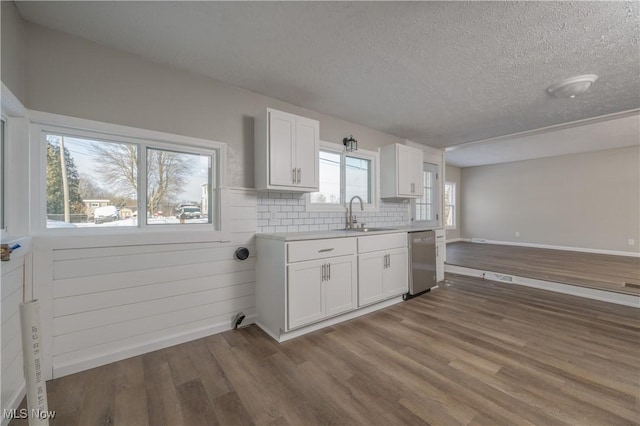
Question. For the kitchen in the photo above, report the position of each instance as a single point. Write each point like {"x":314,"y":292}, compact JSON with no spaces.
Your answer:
{"x":123,"y":296}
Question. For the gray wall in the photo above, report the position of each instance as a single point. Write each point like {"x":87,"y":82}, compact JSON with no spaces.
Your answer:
{"x":588,"y":200}
{"x":452,"y":174}
{"x":12,"y":47}
{"x":71,"y":76}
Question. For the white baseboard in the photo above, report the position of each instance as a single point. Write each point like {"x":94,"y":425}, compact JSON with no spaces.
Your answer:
{"x":455,"y":240}
{"x":14,"y":402}
{"x":96,"y":360}
{"x":552,"y":247}
{"x":283,"y":337}
{"x":589,"y":293}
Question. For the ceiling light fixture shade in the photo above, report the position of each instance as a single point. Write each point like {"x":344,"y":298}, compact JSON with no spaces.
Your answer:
{"x":572,"y":87}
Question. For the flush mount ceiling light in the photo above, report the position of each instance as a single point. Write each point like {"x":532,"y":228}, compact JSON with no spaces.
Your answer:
{"x":572,"y":87}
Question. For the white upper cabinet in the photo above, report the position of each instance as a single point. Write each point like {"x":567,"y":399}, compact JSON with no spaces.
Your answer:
{"x":400,"y":171}
{"x":286,"y":152}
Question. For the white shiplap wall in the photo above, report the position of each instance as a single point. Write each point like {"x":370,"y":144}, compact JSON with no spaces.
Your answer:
{"x":12,"y":293}
{"x":114,"y":302}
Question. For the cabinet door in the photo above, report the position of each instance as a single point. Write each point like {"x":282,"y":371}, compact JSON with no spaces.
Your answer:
{"x":282,"y":136}
{"x":370,"y":268}
{"x":396,"y":274}
{"x":440,"y":259}
{"x":405,"y":170}
{"x":305,"y":296}
{"x":307,"y":152}
{"x":417,"y":172}
{"x":340,"y":287}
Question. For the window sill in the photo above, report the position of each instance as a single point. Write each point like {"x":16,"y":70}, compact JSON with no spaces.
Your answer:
{"x":131,"y":237}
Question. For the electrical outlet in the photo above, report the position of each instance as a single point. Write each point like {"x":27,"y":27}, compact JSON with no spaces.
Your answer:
{"x":517,"y":234}
{"x":272,"y":215}
{"x":631,"y":242}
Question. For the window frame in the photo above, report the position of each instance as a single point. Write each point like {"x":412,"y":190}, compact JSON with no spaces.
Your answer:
{"x":371,"y":156}
{"x":42,"y":123}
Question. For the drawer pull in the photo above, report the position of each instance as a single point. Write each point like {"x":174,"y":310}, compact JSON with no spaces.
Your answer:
{"x":325,"y":250}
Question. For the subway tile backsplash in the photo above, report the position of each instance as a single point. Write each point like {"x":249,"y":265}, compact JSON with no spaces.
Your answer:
{"x":286,"y":212}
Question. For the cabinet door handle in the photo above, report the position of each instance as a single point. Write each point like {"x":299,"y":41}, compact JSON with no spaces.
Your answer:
{"x":413,"y":188}
{"x":329,"y":272}
{"x":324,"y":269}
{"x":293,"y":178}
{"x":325,"y":250}
{"x":299,"y":175}
{"x":388,"y":261}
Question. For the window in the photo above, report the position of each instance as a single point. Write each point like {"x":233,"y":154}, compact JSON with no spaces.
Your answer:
{"x":99,"y":182}
{"x":450,"y":205}
{"x":180,"y":183}
{"x":330,"y":179}
{"x":342,"y":176}
{"x":426,"y":207}
{"x":358,"y":178}
{"x":81,"y":170}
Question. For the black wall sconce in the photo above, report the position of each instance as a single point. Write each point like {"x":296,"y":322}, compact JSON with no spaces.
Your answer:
{"x":350,"y":143}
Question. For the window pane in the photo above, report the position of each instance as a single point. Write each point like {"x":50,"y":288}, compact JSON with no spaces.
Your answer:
{"x":358,"y":178}
{"x":449,"y":204}
{"x":178,"y":187}
{"x":329,"y":179}
{"x":90,"y":183}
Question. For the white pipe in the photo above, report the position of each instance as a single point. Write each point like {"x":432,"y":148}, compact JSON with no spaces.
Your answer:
{"x":37,"y":406}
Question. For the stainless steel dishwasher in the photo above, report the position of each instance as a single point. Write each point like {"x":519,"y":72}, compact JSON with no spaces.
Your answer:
{"x":422,"y":258}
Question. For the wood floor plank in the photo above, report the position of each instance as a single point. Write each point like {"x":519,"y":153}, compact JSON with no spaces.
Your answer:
{"x":593,"y":270}
{"x":163,"y":405}
{"x":470,"y":352}
{"x":130,"y":393}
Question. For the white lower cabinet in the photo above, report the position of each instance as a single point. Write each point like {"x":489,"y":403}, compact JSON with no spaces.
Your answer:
{"x":441,"y":254}
{"x":382,"y":274}
{"x":320,"y":289}
{"x":383,"y":267}
{"x":301,"y":284}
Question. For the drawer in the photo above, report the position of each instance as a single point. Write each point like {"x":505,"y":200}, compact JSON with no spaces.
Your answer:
{"x":320,"y":249}
{"x":382,"y":242}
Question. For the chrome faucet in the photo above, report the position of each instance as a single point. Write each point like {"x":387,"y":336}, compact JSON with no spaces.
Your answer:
{"x":350,"y":219}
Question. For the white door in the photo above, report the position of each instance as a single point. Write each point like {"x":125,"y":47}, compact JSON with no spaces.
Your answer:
{"x":307,"y":152}
{"x":396,"y":274}
{"x":282,"y":133}
{"x":305,"y":295}
{"x":370,"y":267}
{"x":340,"y":287}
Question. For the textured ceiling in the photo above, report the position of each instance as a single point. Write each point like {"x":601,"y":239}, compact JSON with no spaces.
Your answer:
{"x":440,"y":73}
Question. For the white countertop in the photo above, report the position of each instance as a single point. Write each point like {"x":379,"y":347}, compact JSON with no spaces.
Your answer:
{"x":337,"y":233}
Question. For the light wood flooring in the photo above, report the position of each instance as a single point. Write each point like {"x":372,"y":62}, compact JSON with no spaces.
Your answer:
{"x":471,"y":352}
{"x":620,"y":274}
